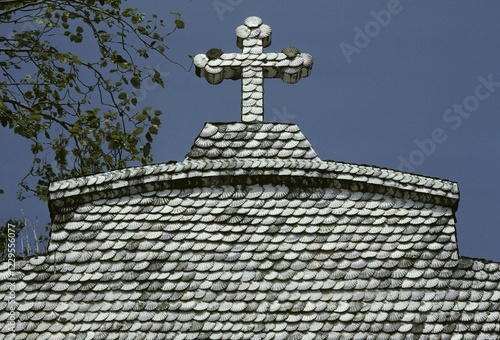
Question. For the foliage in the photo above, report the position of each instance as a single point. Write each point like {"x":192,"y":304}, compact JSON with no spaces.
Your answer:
{"x":70,"y":75}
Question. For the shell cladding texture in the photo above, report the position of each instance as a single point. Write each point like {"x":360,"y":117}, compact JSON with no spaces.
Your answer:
{"x":272,"y":247}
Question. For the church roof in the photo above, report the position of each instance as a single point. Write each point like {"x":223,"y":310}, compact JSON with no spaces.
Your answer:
{"x":272,"y":149}
{"x":254,"y":245}
{"x":253,"y":236}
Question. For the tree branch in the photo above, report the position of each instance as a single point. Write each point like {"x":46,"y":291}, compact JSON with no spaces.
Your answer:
{"x":24,"y":4}
{"x":14,"y":102}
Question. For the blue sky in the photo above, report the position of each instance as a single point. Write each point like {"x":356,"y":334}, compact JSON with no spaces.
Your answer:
{"x":411,"y":85}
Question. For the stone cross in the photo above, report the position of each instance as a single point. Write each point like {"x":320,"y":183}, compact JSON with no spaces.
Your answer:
{"x":252,"y":66}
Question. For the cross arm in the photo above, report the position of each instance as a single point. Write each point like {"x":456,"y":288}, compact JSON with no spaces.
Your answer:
{"x":290,"y":65}
{"x":215,"y":70}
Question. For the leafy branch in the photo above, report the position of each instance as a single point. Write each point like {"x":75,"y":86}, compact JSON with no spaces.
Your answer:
{"x":78,"y":105}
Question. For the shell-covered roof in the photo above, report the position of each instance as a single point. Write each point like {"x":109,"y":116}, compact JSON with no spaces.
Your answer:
{"x":243,"y":140}
{"x":264,"y":241}
{"x":252,"y":149}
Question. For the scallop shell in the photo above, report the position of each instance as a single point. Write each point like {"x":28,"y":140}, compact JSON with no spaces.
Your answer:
{"x":265,"y":31}
{"x":200,"y":60}
{"x":213,"y":69}
{"x":307,"y":59}
{"x":203,"y":142}
{"x":480,"y":317}
{"x":244,"y":153}
{"x":296,"y":62}
{"x":209,"y":130}
{"x":253,"y":21}
{"x":229,"y":153}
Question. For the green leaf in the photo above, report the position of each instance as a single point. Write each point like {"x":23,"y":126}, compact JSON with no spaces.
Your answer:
{"x":141,"y":117}
{"x":62,"y":57}
{"x":118,"y":59}
{"x":155,"y":121}
{"x":28,"y":95}
{"x":146,"y":149}
{"x":157,"y":78}
{"x":153,"y":129}
{"x":179,"y":23}
{"x":137,"y":19}
{"x":128,"y":12}
{"x":136,"y":82}
{"x":76,"y":38}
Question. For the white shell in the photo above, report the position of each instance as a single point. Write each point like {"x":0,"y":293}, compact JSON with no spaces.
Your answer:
{"x":200,"y":60}
{"x":265,"y":31}
{"x":243,"y":31}
{"x":253,"y":21}
{"x":213,"y":70}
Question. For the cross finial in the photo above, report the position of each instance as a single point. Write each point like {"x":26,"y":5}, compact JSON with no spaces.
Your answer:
{"x":252,"y":66}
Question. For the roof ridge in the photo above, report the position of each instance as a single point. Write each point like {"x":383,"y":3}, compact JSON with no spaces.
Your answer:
{"x":193,"y":169}
{"x":248,"y":149}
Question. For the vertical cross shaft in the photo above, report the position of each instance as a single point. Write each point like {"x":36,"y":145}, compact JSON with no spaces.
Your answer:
{"x":252,"y":81}
{"x":252,"y":66}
